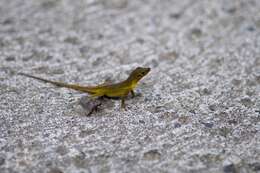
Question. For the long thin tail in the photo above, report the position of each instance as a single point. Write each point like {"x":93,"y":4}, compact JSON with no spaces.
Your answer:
{"x":60,"y":84}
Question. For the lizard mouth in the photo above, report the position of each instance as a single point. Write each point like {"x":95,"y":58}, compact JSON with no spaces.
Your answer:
{"x":147,"y":70}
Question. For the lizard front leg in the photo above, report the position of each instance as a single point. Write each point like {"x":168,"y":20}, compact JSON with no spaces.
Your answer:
{"x":132,"y":93}
{"x":123,"y":100}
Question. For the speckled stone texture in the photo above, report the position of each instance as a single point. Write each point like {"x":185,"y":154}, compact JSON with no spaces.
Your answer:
{"x":197,"y":111}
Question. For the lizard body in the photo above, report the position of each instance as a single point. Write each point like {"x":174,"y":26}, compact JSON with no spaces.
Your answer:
{"x":121,"y":89}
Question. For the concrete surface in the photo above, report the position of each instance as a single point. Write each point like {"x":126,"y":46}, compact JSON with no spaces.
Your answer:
{"x":197,"y":111}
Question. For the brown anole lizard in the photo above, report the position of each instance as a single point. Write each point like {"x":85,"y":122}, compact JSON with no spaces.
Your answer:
{"x":116,"y":90}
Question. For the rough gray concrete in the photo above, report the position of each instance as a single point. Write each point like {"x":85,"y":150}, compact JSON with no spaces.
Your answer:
{"x":197,"y":111}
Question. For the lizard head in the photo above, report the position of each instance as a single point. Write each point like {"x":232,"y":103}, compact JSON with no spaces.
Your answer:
{"x":138,"y":74}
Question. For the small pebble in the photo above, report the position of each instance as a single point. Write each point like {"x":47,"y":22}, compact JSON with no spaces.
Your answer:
{"x":255,"y":166}
{"x":10,"y":58}
{"x":142,"y":121}
{"x":209,"y":125}
{"x":2,"y":161}
{"x":230,"y":168}
{"x":152,"y":155}
{"x":177,"y":125}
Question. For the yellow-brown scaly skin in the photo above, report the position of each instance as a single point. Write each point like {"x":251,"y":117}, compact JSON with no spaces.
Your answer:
{"x":116,"y":90}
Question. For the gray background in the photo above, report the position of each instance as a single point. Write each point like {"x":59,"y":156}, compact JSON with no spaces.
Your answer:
{"x":198,"y":110}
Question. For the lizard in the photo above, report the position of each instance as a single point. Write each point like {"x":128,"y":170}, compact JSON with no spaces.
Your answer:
{"x":116,"y":90}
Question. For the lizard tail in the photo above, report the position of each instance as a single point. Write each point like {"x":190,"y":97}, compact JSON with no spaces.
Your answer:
{"x":64,"y":85}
